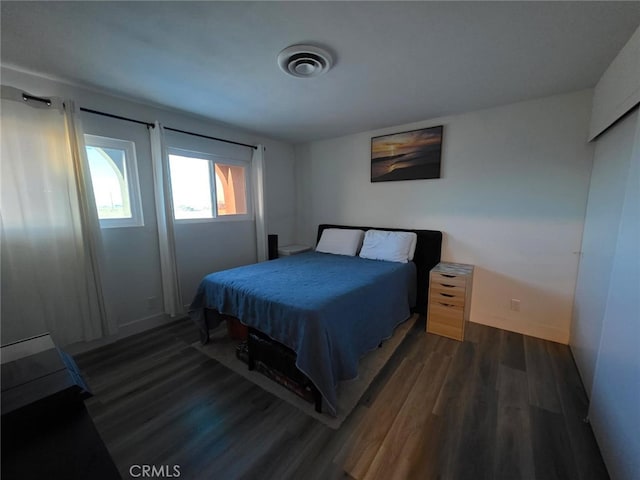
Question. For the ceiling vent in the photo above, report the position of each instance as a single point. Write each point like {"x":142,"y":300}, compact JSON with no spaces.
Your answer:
{"x":304,"y":61}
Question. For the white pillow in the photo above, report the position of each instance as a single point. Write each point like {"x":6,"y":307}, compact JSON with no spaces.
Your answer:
{"x":390,"y":246}
{"x":340,"y":241}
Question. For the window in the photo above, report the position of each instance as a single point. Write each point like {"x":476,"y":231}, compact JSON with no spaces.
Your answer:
{"x":207,"y":187}
{"x":114,"y":176}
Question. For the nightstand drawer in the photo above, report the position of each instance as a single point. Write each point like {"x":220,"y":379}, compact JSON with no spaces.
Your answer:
{"x":447,"y":280}
{"x":453,"y":330}
{"x":439,"y":290}
{"x":446,"y":321}
{"x":447,"y":299}
{"x":446,"y":310}
{"x":449,"y":289}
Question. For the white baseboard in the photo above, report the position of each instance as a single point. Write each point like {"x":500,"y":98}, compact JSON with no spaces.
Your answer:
{"x":124,"y":330}
{"x":545,"y":332}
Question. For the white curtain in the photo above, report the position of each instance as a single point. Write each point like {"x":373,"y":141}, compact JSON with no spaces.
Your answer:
{"x":258,"y":169}
{"x":49,"y":233}
{"x":164,"y":212}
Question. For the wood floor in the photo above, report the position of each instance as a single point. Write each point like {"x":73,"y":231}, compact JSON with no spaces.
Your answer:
{"x":498,"y":406}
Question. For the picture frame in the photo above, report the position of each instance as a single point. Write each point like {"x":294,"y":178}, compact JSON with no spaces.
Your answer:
{"x":411,"y":155}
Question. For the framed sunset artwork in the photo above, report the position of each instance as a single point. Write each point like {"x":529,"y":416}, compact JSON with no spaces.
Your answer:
{"x":409,"y":155}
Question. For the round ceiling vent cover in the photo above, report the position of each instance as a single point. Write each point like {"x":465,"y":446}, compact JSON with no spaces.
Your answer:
{"x":304,"y":61}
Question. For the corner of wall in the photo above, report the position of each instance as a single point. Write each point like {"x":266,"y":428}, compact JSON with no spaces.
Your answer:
{"x":618,"y":90}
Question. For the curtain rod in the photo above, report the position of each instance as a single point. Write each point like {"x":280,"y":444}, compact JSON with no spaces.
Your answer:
{"x":211,"y":138}
{"x":96,"y":112}
{"x":26,"y":97}
{"x":118,"y":117}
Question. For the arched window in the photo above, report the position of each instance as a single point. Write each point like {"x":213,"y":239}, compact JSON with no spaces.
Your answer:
{"x":109,"y":182}
{"x":114,"y":180}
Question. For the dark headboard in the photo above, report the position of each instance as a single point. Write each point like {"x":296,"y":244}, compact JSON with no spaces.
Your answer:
{"x":427,"y":256}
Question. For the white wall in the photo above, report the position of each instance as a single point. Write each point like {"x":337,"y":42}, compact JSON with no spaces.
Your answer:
{"x":132,"y":279}
{"x":511,"y":201}
{"x":615,"y":395}
{"x":604,"y":208}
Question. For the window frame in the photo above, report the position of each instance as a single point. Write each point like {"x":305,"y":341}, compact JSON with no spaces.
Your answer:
{"x":212,"y":159}
{"x":133,"y":183}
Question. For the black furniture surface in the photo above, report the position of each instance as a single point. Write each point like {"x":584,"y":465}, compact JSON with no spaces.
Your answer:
{"x":46,"y":429}
{"x":272,"y":242}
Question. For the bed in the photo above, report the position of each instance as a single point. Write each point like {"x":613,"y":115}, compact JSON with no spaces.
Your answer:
{"x":319,"y":311}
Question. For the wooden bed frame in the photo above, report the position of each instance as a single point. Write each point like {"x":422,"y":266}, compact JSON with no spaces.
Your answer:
{"x":278,"y":361}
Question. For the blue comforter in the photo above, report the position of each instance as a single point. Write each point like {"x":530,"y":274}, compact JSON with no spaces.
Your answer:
{"x":329,"y":309}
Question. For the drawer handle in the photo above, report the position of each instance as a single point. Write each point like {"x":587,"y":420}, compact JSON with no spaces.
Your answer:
{"x":448,"y":276}
{"x":447,"y":295}
{"x":447,"y":285}
{"x":447,"y":304}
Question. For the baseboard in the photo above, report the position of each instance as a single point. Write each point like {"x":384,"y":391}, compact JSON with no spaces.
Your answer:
{"x":537,"y":330}
{"x":124,"y":330}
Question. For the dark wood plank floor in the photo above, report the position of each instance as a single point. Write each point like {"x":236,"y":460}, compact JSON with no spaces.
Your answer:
{"x":498,"y":406}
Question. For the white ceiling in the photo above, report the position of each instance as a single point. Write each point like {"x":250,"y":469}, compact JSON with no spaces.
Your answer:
{"x":396,"y":62}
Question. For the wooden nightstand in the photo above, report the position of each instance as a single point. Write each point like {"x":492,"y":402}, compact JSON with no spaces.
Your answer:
{"x":449,"y":299}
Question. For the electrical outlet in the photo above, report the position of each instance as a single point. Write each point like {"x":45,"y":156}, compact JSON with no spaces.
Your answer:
{"x":152,"y":303}
{"x":515,"y":304}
